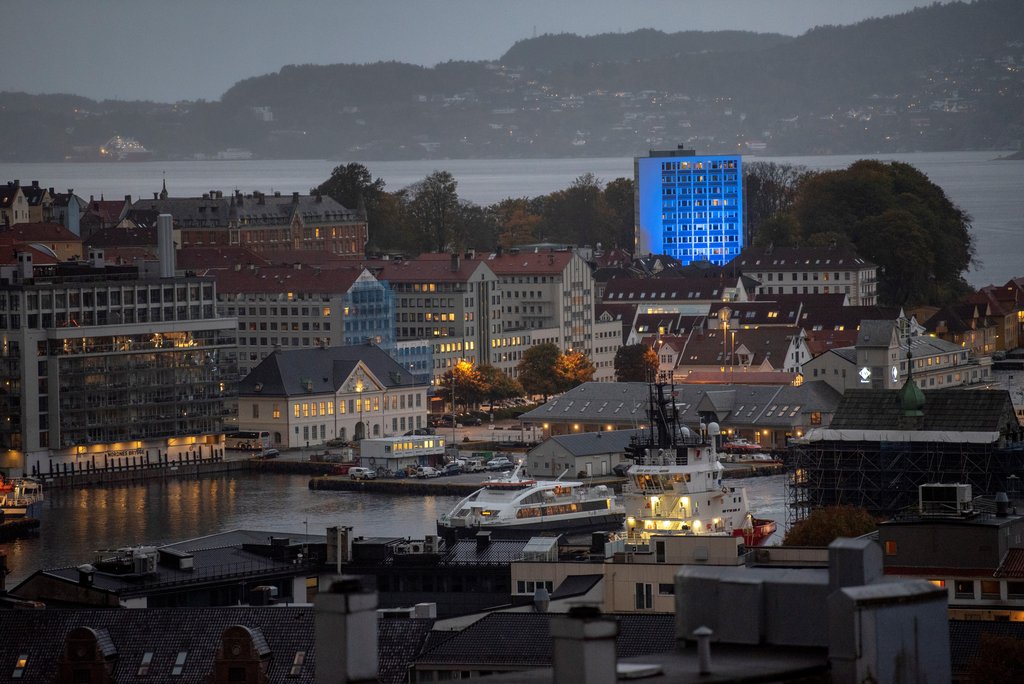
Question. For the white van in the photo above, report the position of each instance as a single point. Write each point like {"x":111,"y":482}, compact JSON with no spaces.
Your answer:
{"x":474,"y":465}
{"x":427,"y":471}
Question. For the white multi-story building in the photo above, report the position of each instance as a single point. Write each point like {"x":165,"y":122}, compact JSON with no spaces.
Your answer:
{"x":293,"y":307}
{"x":807,"y":270}
{"x":554,"y":292}
{"x":305,"y":397}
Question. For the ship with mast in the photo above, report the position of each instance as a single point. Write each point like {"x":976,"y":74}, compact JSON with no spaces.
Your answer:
{"x":675,"y":483}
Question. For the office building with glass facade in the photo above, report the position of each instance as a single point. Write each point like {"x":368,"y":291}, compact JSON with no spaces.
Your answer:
{"x":689,"y":206}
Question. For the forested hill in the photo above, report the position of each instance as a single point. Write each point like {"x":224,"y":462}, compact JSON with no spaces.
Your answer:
{"x":943,"y":77}
{"x":566,"y":49}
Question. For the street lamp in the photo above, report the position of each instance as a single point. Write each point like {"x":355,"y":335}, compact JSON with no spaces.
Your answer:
{"x":359,"y":391}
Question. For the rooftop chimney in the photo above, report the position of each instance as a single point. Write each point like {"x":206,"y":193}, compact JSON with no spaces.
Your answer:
{"x":584,"y":647}
{"x":295,"y":198}
{"x":165,"y":244}
{"x":345,"y":631}
{"x":456,"y":263}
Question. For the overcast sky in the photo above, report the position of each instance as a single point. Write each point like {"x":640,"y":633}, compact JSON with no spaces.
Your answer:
{"x":171,"y":50}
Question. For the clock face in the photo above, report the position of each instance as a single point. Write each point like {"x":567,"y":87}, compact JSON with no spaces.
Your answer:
{"x":895,"y":373}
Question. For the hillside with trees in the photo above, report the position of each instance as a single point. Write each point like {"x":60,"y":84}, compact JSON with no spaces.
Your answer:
{"x":943,"y":77}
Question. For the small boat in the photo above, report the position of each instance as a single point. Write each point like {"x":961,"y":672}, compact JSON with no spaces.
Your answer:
{"x":21,"y":498}
{"x":674,"y":486}
{"x":513,"y":506}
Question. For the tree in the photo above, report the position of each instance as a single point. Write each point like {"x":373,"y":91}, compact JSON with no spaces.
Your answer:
{"x":497,"y":385}
{"x":538,"y":370}
{"x":636,"y":363}
{"x":517,"y":224}
{"x":618,"y":196}
{"x":825,"y":525}
{"x":894,"y":217}
{"x":469,"y":385}
{"x":352,"y":186}
{"x":434,"y":206}
{"x":579,"y":214}
{"x":574,"y":368}
{"x":768,"y":190}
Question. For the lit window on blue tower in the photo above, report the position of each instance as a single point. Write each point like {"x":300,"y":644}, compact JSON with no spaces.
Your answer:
{"x":690,"y":207}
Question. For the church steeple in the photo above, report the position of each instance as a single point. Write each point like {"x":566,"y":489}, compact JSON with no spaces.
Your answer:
{"x":163,"y":192}
{"x":911,"y":397}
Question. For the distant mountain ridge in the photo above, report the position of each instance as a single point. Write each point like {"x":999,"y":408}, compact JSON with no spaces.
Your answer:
{"x":564,"y":49}
{"x":941,"y":77}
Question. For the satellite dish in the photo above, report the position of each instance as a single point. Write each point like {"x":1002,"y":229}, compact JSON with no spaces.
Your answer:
{"x":713,"y":429}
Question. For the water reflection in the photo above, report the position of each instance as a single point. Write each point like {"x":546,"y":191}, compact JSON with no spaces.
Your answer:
{"x":77,"y":523}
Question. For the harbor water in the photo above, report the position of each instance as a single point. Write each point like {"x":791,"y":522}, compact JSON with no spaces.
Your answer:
{"x":78,"y":522}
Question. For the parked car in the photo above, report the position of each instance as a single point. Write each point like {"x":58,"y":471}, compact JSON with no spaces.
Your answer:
{"x":500,"y":463}
{"x":427,"y":471}
{"x":362,"y":474}
{"x":441,"y":421}
{"x":470,"y":420}
{"x":270,"y":453}
{"x":425,"y":431}
{"x":453,"y":468}
{"x":474,"y":465}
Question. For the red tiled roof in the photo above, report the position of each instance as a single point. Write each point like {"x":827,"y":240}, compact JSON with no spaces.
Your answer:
{"x":9,"y":253}
{"x":425,"y":268}
{"x":42,"y":232}
{"x":1012,"y":565}
{"x":108,"y":210}
{"x":663,"y":289}
{"x":276,"y":279}
{"x":530,"y":263}
{"x":201,"y":258}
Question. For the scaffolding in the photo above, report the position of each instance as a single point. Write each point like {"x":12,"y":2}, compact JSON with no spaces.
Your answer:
{"x":883,"y":477}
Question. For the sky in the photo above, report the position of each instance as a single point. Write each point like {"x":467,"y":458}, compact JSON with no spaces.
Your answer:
{"x":171,"y":50}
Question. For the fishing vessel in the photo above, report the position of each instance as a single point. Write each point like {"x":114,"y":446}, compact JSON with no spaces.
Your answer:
{"x":513,"y":506}
{"x":675,"y":484}
{"x":21,"y":498}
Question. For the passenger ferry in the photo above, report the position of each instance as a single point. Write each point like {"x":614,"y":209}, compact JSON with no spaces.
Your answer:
{"x":516,"y":507}
{"x":675,"y":483}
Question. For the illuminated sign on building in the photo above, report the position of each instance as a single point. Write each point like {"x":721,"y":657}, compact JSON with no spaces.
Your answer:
{"x":689,"y":207}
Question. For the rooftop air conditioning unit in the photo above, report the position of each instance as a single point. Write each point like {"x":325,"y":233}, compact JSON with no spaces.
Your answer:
{"x":950,"y":500}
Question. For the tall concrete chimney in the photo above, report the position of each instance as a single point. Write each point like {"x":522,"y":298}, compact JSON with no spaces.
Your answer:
{"x":584,"y":647}
{"x":345,"y":631}
{"x":165,"y":244}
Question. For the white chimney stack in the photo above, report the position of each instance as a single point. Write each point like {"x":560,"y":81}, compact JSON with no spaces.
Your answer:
{"x":165,"y":244}
{"x":345,"y":632}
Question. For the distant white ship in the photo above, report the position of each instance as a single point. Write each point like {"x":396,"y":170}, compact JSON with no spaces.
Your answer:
{"x":233,"y":154}
{"x":122,"y":149}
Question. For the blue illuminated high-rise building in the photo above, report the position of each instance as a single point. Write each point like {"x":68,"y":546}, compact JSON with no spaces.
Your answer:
{"x":689,"y":206}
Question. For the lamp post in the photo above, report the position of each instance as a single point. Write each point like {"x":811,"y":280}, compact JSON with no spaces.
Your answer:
{"x":359,"y":392}
{"x":455,"y":370}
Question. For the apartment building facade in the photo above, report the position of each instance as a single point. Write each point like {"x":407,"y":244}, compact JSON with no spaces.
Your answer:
{"x":550,"y":296}
{"x":293,"y":307}
{"x":259,"y":221}
{"x":99,"y":360}
{"x":804,"y":270}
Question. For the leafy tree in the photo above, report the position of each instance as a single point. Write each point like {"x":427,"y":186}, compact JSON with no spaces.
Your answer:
{"x":538,"y":370}
{"x":497,"y":385}
{"x":352,"y":186}
{"x":468,"y":382}
{"x":434,"y":206}
{"x":769,"y":190}
{"x":517,"y":223}
{"x":894,"y":217}
{"x":618,"y":196}
{"x":636,"y":363}
{"x":825,"y":525}
{"x":579,"y":214}
{"x":574,"y":368}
